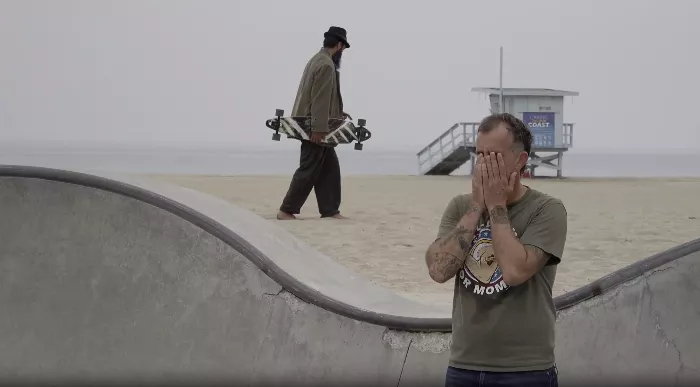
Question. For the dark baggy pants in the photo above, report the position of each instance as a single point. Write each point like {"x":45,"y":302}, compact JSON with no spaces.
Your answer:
{"x":464,"y":378}
{"x":318,"y":169}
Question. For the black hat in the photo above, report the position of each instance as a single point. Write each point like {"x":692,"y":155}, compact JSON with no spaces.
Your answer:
{"x":338,"y":32}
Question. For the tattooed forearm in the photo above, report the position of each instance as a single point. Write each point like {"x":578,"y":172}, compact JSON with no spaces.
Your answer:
{"x":499,"y":215}
{"x":461,"y":234}
{"x":446,"y":255}
{"x":473,"y":209}
{"x":443,"y":265}
{"x":458,"y":235}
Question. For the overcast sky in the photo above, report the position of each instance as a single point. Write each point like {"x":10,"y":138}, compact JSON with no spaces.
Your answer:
{"x":212,"y":71}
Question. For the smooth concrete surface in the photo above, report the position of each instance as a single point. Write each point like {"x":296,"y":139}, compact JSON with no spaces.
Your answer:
{"x":645,"y":330}
{"x":99,"y":284}
{"x":110,"y":277}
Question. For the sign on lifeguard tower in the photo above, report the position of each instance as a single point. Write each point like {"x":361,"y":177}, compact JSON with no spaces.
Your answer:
{"x":542,"y":127}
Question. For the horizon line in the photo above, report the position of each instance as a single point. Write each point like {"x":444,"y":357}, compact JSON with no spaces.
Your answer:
{"x":174,"y":145}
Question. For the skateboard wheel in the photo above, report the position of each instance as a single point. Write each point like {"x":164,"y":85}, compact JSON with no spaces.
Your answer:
{"x":358,"y":146}
{"x":362,"y":133}
{"x":279,"y":112}
{"x":276,"y":136}
{"x":361,"y":122}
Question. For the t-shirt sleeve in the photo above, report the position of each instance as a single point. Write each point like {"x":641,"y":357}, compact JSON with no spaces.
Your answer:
{"x":450,"y":218}
{"x":547,"y":230}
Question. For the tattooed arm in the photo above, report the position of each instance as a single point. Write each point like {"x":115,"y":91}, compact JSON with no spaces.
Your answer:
{"x":446,"y":255}
{"x":520,"y":259}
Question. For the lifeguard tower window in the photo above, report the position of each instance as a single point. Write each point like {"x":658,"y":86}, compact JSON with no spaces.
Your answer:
{"x":542,"y":110}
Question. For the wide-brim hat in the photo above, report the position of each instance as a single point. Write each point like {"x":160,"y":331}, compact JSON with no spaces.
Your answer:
{"x":338,"y":32}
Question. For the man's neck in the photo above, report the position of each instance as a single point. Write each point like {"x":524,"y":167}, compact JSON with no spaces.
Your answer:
{"x":518,"y":193}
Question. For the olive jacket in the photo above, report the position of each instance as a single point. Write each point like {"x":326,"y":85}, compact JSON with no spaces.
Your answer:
{"x":319,"y":92}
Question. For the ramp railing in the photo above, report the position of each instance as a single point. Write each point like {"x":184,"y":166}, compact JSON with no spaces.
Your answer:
{"x":458,"y":135}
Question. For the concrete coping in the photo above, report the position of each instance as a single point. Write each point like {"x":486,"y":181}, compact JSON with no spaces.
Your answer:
{"x":297,"y":267}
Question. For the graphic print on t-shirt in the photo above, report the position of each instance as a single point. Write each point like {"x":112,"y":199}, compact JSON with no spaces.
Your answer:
{"x":481,"y":273}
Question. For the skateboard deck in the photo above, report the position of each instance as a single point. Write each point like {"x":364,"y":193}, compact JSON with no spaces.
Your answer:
{"x":340,"y":130}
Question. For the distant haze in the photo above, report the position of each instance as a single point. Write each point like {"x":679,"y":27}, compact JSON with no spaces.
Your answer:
{"x":145,"y":72}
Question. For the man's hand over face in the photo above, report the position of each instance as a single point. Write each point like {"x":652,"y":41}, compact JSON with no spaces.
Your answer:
{"x":498,"y":184}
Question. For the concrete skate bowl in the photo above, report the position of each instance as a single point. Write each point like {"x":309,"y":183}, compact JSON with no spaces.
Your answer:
{"x":110,"y":278}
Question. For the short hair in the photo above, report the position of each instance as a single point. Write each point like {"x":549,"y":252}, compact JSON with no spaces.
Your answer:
{"x":331,"y":41}
{"x":522,"y":136}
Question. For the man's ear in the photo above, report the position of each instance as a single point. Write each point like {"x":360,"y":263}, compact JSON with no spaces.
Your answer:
{"x":521,"y":161}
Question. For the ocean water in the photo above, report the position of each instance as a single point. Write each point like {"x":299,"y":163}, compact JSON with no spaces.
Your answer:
{"x":283,"y":162}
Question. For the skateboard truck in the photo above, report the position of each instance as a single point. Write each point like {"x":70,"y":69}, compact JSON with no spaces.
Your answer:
{"x":276,"y":124}
{"x":362,"y":133}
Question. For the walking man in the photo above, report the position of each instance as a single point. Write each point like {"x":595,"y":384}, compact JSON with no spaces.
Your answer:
{"x":319,"y":97}
{"x":502,"y":243}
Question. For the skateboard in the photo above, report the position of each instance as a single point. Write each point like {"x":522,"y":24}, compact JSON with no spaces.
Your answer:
{"x":341,"y":131}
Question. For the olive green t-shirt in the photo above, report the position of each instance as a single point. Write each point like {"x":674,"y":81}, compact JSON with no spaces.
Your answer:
{"x":496,"y":327}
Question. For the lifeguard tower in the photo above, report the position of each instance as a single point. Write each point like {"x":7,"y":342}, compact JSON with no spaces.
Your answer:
{"x":541,"y":109}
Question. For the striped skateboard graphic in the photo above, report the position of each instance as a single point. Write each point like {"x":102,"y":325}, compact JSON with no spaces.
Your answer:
{"x":340,"y":130}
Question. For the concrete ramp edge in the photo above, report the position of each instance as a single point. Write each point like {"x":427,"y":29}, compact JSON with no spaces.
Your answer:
{"x":298,"y":316}
{"x":381,"y":306}
{"x":134,"y":189}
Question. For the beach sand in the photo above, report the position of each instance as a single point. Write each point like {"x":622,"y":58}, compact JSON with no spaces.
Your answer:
{"x":393,"y":219}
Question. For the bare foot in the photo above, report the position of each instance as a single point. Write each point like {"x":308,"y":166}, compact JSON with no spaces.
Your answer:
{"x":338,"y":216}
{"x":285,"y":216}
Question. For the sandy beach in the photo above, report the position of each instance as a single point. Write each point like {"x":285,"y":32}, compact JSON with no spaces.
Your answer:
{"x":393,"y":219}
